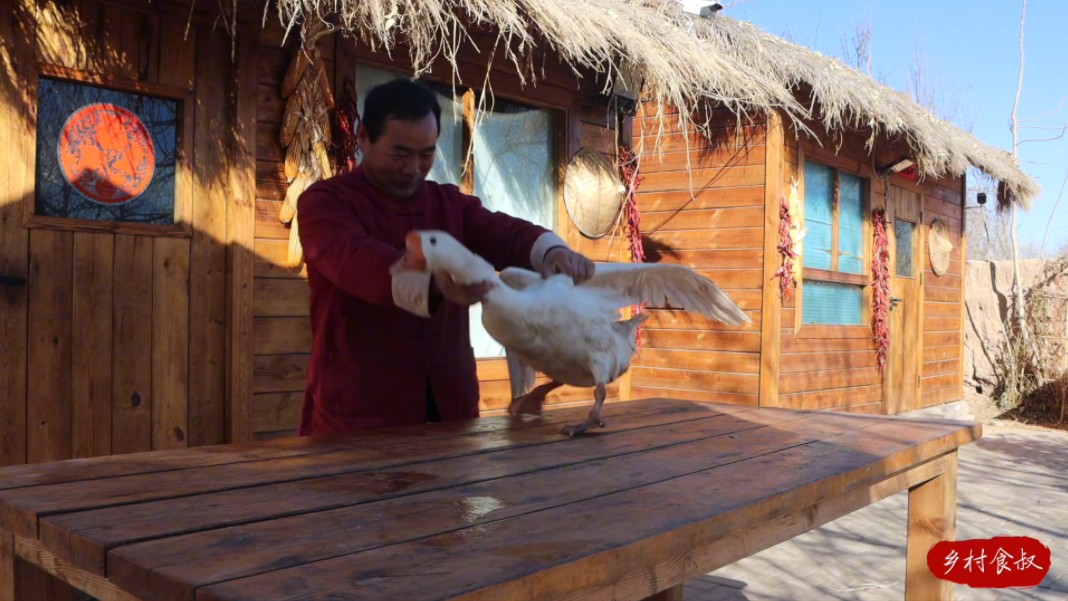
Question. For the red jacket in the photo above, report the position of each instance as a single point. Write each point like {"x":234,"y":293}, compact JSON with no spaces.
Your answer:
{"x":372,"y":360}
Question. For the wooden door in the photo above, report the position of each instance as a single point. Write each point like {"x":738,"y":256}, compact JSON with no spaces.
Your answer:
{"x":115,"y":334}
{"x":906,"y":301}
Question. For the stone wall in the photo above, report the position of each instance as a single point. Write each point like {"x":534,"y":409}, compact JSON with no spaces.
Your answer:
{"x":988,"y":302}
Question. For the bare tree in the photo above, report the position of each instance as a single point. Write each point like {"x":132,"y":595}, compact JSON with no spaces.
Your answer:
{"x":856,"y":46}
{"x":1017,"y":285}
{"x":926,"y":86}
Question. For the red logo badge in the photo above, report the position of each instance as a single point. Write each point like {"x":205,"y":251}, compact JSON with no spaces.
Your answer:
{"x":106,"y":153}
{"x":999,"y":562}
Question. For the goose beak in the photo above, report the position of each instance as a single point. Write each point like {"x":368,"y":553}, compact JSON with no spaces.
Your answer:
{"x":413,"y":256}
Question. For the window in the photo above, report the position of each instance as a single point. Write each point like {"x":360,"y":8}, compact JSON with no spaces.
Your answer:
{"x":835,"y":252}
{"x":513,"y":163}
{"x":903,"y":233}
{"x":108,"y":158}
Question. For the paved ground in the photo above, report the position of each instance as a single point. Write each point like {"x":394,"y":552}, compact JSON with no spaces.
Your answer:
{"x":1012,"y":482}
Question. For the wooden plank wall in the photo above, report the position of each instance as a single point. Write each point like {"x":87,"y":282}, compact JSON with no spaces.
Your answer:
{"x":712,"y":220}
{"x":281,"y":331}
{"x":943,"y":324}
{"x":119,"y":360}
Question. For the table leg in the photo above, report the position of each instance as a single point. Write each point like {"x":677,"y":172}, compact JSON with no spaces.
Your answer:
{"x":672,"y":594}
{"x":932,"y":518}
{"x":7,"y":566}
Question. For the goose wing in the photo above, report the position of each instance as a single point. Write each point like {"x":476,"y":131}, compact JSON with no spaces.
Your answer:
{"x":520,"y":374}
{"x":659,"y":284}
{"x":519,"y":278}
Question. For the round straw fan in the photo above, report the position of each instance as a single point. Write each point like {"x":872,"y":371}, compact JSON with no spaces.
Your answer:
{"x":939,"y":246}
{"x":593,"y":194}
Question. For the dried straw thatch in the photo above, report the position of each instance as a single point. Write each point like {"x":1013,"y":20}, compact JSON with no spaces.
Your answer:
{"x":845,"y":98}
{"x":683,"y":59}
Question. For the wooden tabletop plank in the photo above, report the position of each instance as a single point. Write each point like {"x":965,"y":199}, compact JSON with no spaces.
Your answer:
{"x":545,"y":554}
{"x":21,"y":508}
{"x":127,"y":464}
{"x":172,"y":568}
{"x":83,"y":538}
{"x":75,"y":470}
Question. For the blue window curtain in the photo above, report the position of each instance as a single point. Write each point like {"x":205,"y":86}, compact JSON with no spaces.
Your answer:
{"x":831,"y":303}
{"x":851,"y":224}
{"x":819,"y":215}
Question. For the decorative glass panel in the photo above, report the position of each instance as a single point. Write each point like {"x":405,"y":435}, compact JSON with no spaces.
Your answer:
{"x":831,"y":303}
{"x":105,"y":155}
{"x":850,"y":224}
{"x":819,"y":215}
{"x":904,"y":232}
{"x":448,"y":164}
{"x":515,"y":173}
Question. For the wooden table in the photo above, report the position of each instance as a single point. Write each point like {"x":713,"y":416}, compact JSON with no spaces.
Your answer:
{"x":487,"y":509}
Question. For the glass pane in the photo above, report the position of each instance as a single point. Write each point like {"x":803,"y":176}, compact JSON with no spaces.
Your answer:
{"x":819,"y":215}
{"x":903,"y":232}
{"x":105,"y":155}
{"x":448,"y":164}
{"x":515,"y":173}
{"x":851,"y":224}
{"x":831,"y":303}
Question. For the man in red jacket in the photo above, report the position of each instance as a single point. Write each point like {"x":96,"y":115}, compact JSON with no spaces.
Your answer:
{"x":391,"y":347}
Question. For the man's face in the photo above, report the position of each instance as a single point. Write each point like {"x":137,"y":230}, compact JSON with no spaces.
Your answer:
{"x":403,"y":155}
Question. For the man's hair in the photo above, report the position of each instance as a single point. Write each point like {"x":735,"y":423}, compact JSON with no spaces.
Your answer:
{"x":398,"y":99}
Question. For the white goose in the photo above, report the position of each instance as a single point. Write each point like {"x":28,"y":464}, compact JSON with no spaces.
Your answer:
{"x":572,"y":333}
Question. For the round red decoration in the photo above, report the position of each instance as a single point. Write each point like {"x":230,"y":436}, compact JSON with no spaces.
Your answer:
{"x":106,"y":154}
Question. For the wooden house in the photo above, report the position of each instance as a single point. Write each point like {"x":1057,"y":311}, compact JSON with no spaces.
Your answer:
{"x":182,"y":321}
{"x":840,"y":231}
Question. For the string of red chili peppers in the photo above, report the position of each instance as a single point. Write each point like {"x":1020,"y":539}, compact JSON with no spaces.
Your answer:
{"x":880,"y":265}
{"x":628,"y":170}
{"x":345,"y":120}
{"x":786,"y":249}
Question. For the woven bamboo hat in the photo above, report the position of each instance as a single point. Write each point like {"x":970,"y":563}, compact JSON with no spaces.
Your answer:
{"x":593,"y":194}
{"x":940,"y":246}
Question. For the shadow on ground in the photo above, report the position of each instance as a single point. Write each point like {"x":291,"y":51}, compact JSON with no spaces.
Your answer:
{"x":1012,"y":482}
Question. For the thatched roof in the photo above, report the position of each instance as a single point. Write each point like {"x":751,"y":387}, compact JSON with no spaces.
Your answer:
{"x":846,"y":98}
{"x":685,"y":61}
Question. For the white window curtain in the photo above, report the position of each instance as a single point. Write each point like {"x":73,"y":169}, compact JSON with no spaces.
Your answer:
{"x":514,"y":173}
{"x":448,"y":164}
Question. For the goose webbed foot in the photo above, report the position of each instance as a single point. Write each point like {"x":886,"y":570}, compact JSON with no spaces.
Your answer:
{"x":594,"y":418}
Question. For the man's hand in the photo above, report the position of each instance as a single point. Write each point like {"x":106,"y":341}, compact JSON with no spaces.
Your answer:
{"x":566,"y":261}
{"x":461,"y":294}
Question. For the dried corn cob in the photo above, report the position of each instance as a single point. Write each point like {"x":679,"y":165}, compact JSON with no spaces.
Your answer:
{"x":295,"y":72}
{"x":323,"y":158}
{"x":296,"y":253}
{"x":289,"y":205}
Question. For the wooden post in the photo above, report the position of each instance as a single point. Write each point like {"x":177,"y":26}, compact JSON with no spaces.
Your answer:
{"x":932,"y":518}
{"x":771,"y":301}
{"x":672,"y":594}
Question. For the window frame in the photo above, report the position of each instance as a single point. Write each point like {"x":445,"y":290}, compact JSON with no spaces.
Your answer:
{"x":864,"y":280}
{"x":183,"y":173}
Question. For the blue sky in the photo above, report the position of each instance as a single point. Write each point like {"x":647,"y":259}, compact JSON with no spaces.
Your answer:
{"x":971,"y":51}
